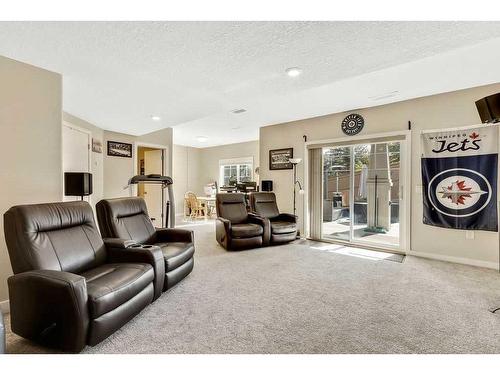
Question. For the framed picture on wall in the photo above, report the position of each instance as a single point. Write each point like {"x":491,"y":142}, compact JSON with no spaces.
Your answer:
{"x":280,"y":159}
{"x":96,"y":145}
{"x":120,"y":149}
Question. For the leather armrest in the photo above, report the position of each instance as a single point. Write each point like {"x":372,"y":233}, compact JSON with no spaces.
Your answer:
{"x":226,"y":224}
{"x":174,"y":235}
{"x":266,"y":225}
{"x":50,"y":307}
{"x":118,"y":243}
{"x":223,"y":232}
{"x":286,"y":217}
{"x":151,"y":255}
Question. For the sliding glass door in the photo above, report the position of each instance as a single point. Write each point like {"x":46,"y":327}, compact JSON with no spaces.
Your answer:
{"x":336,"y":193}
{"x":362,"y":194}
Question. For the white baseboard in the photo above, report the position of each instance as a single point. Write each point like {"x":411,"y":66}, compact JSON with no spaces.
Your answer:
{"x":4,"y":306}
{"x":452,"y":259}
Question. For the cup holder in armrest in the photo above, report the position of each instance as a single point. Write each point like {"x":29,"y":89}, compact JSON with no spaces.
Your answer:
{"x":140,"y":246}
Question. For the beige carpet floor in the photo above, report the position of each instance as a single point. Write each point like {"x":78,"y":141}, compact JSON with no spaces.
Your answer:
{"x":309,"y":297}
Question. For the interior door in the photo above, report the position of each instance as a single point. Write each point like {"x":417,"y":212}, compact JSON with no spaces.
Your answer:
{"x":153,"y":192}
{"x":76,"y":152}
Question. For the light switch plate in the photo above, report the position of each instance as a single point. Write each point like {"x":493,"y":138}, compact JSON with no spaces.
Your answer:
{"x":469,"y":234}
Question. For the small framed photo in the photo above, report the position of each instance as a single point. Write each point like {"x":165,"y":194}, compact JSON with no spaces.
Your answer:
{"x":280,"y":159}
{"x":123,"y":150}
{"x":96,"y":145}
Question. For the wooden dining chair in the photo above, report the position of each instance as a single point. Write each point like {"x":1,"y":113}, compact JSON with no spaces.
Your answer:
{"x":197,"y":209}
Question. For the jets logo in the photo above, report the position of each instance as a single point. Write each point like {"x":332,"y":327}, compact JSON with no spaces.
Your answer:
{"x":459,"y":192}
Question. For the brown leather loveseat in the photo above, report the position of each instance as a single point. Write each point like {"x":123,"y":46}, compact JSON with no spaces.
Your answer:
{"x":69,"y":288}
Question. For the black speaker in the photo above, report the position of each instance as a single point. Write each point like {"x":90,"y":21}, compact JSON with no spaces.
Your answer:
{"x":77,"y":184}
{"x":267,"y":185}
{"x":489,"y":108}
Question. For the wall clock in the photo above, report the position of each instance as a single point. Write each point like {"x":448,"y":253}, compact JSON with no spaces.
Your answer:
{"x":353,"y":124}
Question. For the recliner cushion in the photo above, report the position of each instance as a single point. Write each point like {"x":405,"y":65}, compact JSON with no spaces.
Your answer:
{"x":111,"y":285}
{"x":58,"y":236}
{"x":282,"y":227}
{"x":246,"y":230}
{"x":125,"y":218}
{"x":232,"y":206}
{"x":176,"y":253}
{"x":264,"y":204}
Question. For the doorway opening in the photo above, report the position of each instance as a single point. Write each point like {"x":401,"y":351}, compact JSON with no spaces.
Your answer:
{"x":150,"y":160}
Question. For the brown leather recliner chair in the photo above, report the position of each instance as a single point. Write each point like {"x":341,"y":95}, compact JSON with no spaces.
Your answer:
{"x":236,"y":229}
{"x":127,"y":218}
{"x":283,"y":226}
{"x":69,"y":288}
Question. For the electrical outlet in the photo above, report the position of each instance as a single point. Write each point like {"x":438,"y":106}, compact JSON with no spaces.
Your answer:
{"x":469,"y":234}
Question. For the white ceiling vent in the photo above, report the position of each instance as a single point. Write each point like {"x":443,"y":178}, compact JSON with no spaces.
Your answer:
{"x":385,"y":96}
{"x":238,"y":111}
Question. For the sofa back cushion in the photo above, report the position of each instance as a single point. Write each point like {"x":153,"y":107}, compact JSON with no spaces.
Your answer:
{"x":53,"y":236}
{"x":232,"y":206}
{"x":264,"y":204}
{"x":125,"y":218}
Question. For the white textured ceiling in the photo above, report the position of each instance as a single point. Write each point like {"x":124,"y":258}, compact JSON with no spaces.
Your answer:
{"x":193,"y":74}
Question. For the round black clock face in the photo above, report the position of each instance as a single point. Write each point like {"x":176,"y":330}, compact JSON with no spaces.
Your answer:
{"x":353,"y":124}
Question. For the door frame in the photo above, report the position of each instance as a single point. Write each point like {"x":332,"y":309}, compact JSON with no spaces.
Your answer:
{"x":89,"y":150}
{"x":164,"y":170}
{"x":405,"y":234}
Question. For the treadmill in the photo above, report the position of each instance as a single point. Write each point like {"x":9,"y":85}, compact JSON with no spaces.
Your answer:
{"x":166,"y":182}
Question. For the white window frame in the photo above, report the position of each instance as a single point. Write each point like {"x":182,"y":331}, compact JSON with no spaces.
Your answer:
{"x":237,"y":162}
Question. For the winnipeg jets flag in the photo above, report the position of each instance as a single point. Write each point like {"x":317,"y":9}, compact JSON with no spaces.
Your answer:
{"x":459,"y":177}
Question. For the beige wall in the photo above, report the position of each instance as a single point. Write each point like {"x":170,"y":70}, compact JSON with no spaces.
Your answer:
{"x":433,"y":112}
{"x":209,"y":167}
{"x":97,"y":167}
{"x":118,"y":170}
{"x":111,"y":173}
{"x":186,"y":172}
{"x":193,"y":168}
{"x":163,"y":137}
{"x":30,"y":122}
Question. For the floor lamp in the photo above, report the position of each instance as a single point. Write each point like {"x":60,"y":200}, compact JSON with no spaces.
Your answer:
{"x":296,"y":182}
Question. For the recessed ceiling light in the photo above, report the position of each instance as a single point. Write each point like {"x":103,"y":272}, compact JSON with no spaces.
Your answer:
{"x":293,"y":72}
{"x":201,"y":138}
{"x":155,"y":118}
